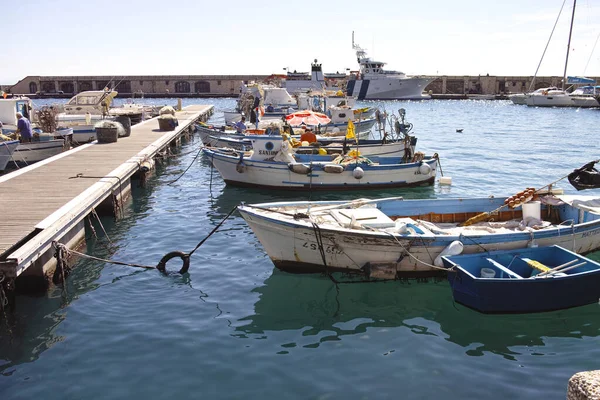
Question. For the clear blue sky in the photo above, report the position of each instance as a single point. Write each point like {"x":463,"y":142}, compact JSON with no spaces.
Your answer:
{"x":429,"y":37}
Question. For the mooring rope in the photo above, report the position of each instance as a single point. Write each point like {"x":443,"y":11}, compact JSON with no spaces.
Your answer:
{"x":118,"y":204}
{"x":62,"y":252}
{"x":188,"y":167}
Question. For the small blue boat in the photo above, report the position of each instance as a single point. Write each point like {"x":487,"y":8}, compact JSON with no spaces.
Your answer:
{"x":523,"y":280}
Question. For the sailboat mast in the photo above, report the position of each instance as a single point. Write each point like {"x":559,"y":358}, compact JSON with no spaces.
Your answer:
{"x":569,"y":46}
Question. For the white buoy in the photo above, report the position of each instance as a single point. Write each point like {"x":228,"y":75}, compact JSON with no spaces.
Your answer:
{"x":424,"y":169}
{"x":358,"y":173}
{"x":452,"y":249}
{"x":446,"y":180}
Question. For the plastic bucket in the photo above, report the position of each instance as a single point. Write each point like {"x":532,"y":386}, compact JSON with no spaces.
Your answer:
{"x":487,"y":273}
{"x":532,"y":209}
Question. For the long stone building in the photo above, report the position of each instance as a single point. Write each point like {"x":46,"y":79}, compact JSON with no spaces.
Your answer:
{"x":228,"y":85}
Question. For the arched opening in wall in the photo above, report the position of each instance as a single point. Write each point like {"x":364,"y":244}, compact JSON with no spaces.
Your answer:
{"x":202,"y":87}
{"x":455,"y":86}
{"x":48,"y":87}
{"x":67,"y":87}
{"x":182,"y":87}
{"x":124,"y":87}
{"x":32,"y":87}
{"x":100,"y":85}
{"x":85,"y":86}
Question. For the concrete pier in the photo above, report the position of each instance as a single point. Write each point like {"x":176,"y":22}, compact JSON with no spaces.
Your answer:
{"x":48,"y":201}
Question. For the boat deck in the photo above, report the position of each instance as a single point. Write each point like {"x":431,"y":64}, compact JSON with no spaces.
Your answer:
{"x":42,"y":200}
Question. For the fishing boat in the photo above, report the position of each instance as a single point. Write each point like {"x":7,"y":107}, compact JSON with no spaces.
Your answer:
{"x":524,"y":280}
{"x":367,"y":147}
{"x":396,"y":237}
{"x":399,"y":142}
{"x":43,"y":145}
{"x":373,"y":82}
{"x":272,"y":164}
{"x":7,"y":148}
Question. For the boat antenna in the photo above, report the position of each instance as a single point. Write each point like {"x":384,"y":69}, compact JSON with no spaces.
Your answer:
{"x":353,"y":38}
{"x":569,"y":46}
{"x":544,"y":53}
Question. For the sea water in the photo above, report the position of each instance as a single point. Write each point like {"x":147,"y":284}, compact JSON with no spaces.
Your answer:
{"x":237,"y":328}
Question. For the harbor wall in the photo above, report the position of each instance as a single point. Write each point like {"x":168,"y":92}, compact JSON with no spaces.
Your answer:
{"x":228,"y":85}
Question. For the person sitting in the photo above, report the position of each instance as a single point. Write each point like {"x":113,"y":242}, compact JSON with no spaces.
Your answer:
{"x":23,"y":128}
{"x":270,"y":108}
{"x":240,"y":126}
{"x":308,"y":136}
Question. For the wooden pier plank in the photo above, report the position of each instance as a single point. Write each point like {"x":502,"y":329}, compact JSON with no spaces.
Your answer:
{"x":37,"y":192}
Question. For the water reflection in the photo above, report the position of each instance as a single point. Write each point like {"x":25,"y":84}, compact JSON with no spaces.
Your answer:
{"x":313,"y":305}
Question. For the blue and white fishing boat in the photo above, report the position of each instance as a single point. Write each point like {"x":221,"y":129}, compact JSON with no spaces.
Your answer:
{"x":271,"y":164}
{"x":523,"y":280}
{"x":397,"y":237}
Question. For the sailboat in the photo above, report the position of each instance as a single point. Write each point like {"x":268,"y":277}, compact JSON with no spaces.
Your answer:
{"x":559,"y":97}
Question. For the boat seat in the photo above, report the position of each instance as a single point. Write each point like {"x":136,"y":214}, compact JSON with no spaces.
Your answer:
{"x":504,"y":269}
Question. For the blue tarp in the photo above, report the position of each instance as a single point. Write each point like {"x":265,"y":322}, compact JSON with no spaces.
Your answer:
{"x":579,"y":80}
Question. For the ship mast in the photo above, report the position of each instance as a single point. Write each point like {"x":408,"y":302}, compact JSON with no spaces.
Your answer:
{"x":568,"y":46}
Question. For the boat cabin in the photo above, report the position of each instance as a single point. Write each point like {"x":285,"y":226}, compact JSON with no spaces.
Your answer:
{"x":11,"y":106}
{"x":95,"y":102}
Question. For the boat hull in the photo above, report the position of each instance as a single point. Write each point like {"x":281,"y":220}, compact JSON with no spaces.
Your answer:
{"x":410,"y":88}
{"x":278,"y":175}
{"x":512,"y":295}
{"x":7,"y":148}
{"x":293,"y":245}
{"x":27,"y":153}
{"x":558,"y":100}
{"x":519,"y":98}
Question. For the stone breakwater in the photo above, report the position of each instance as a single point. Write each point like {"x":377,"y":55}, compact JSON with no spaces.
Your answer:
{"x":584,"y":386}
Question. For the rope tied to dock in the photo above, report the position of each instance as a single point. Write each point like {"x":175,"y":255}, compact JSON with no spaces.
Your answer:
{"x":3,"y":296}
{"x":63,"y":253}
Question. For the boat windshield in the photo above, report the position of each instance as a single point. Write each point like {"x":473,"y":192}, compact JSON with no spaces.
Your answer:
{"x":88,"y":100}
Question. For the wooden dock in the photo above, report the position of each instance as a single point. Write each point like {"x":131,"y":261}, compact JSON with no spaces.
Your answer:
{"x":49,"y":200}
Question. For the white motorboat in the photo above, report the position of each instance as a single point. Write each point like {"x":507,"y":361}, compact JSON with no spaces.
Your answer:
{"x":372,"y":82}
{"x":521,"y":98}
{"x":84,"y":110}
{"x":550,"y":98}
{"x":7,"y":148}
{"x":586,"y":96}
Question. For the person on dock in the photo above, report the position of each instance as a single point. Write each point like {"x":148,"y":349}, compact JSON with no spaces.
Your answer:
{"x":23,"y":128}
{"x":270,"y":108}
{"x":240,"y":126}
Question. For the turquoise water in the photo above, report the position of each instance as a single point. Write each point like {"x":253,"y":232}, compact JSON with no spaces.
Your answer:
{"x":235,"y":327}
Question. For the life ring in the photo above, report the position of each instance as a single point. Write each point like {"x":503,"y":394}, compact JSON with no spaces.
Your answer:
{"x":162,"y":264}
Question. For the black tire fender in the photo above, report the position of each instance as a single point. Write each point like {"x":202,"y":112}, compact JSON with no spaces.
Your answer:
{"x":162,"y":264}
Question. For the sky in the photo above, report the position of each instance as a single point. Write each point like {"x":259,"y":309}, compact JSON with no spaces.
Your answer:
{"x":199,"y":37}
